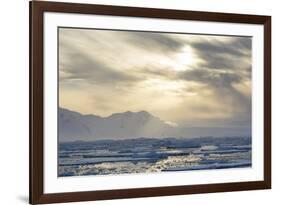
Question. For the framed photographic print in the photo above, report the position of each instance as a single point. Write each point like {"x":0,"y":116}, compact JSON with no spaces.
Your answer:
{"x":138,"y":102}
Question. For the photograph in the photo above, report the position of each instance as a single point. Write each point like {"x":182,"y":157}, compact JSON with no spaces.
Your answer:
{"x":140,"y":102}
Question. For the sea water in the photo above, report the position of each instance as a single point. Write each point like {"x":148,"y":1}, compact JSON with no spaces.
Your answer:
{"x":146,"y":155}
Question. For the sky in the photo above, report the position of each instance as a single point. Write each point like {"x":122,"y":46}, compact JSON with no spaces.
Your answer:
{"x":185,"y":79}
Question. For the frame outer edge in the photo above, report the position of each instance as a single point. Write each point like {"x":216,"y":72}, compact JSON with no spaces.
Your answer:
{"x":36,"y":9}
{"x":36,"y":102}
{"x":30,"y":107}
{"x":267,"y":104}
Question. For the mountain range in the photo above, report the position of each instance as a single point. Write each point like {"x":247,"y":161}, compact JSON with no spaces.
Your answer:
{"x":74,"y":126}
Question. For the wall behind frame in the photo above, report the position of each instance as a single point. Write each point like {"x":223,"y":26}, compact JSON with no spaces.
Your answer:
{"x":14,"y":101}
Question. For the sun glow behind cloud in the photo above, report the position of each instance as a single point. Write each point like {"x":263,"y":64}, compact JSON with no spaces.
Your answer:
{"x":186,"y":59}
{"x":183,"y":60}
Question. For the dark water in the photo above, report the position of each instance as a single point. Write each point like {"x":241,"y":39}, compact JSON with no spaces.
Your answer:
{"x":145,"y":155}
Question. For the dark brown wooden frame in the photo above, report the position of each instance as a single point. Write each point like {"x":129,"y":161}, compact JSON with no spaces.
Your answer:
{"x":37,"y":9}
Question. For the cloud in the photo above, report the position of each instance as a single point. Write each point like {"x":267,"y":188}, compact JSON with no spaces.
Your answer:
{"x":211,"y":78}
{"x":225,"y":73}
{"x":230,"y":54}
{"x":172,"y":124}
{"x":103,"y":72}
{"x":83,"y":61}
{"x":221,"y":85}
{"x":154,"y":41}
{"x":90,"y":70}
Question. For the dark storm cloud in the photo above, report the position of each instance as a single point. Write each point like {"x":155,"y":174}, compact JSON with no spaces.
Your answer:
{"x":211,"y":78}
{"x":221,"y":84}
{"x":223,"y":54}
{"x":81,"y":67}
{"x":223,"y":65}
{"x":154,"y":41}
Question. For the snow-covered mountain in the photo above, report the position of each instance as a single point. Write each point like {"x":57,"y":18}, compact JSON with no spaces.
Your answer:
{"x":74,"y":126}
